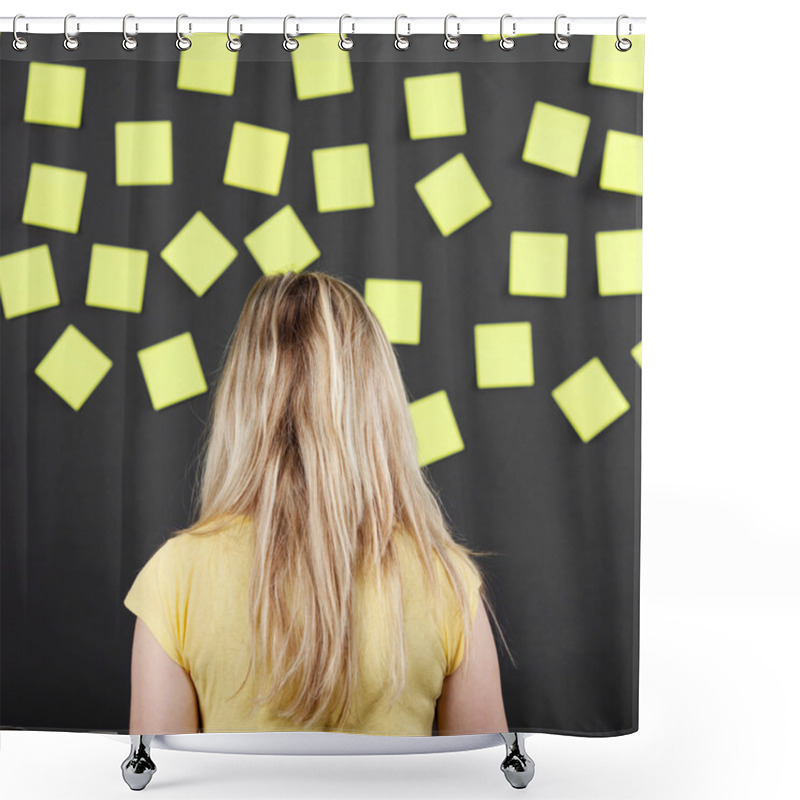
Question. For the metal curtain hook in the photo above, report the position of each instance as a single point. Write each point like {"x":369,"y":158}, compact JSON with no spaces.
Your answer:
{"x":20,"y":42}
{"x":401,"y":42}
{"x":345,"y":42}
{"x":619,"y":43}
{"x":70,"y":42}
{"x":129,"y":42}
{"x":182,"y":42}
{"x":507,"y":43}
{"x":560,"y":43}
{"x":451,"y":42}
{"x":290,"y":43}
{"x":233,"y":44}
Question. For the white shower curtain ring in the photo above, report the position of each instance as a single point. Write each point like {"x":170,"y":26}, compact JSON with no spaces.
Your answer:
{"x":401,"y":42}
{"x":20,"y":42}
{"x":70,"y":42}
{"x":451,"y":42}
{"x":560,"y":43}
{"x":233,"y":44}
{"x":128,"y":42}
{"x":619,"y":43}
{"x":506,"y":43}
{"x":182,"y":42}
{"x":290,"y":43}
{"x":345,"y":42}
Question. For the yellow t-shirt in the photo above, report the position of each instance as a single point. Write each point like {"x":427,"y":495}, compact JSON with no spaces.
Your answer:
{"x":192,"y":595}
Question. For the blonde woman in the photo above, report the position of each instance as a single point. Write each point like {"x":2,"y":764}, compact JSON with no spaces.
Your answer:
{"x":321,"y":588}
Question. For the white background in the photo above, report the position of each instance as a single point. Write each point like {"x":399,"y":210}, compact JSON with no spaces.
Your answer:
{"x":719,"y":700}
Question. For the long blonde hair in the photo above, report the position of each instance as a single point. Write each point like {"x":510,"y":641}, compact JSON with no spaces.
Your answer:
{"x":310,"y":435}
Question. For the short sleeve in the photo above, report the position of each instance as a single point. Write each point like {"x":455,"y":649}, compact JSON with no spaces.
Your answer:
{"x":454,"y":626}
{"x":155,"y":598}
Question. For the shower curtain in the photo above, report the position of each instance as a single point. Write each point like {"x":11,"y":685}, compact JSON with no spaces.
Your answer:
{"x":488,"y":205}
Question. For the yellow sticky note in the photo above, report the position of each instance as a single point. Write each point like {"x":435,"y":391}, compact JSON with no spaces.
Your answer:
{"x":614,"y":68}
{"x":27,"y":281}
{"x":199,"y":253}
{"x":116,"y":278}
{"x":636,"y":352}
{"x":398,"y":306}
{"x":208,"y":65}
{"x":144,"y":153}
{"x":619,"y":262}
{"x":538,"y":264}
{"x":622,"y":163}
{"x":343,"y":177}
{"x":590,"y":400}
{"x":453,"y":194}
{"x":556,"y":137}
{"x":435,"y":105}
{"x":435,"y":427}
{"x":504,"y":354}
{"x":172,"y":371}
{"x":73,"y":367}
{"x":321,"y":68}
{"x":55,"y":94}
{"x":281,"y":242}
{"x":256,"y":158}
{"x":54,"y":198}
{"x":495,"y":37}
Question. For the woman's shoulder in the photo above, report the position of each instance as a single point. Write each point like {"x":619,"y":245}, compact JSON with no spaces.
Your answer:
{"x":199,"y":541}
{"x":214,"y":529}
{"x":411,"y":553}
